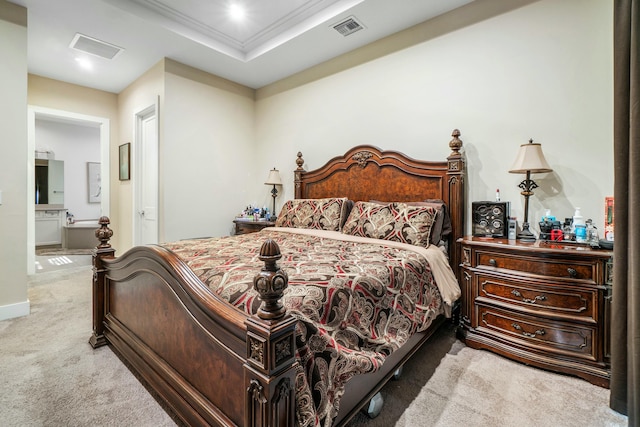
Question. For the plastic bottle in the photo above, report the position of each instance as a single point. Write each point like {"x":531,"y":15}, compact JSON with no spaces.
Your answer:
{"x":567,"y":229}
{"x":547,"y":216}
{"x":581,"y":233}
{"x":497,"y":194}
{"x":579,"y":227}
{"x":578,"y":219}
{"x":593,"y":237}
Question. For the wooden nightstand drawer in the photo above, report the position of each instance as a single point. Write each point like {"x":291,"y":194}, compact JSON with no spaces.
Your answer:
{"x":246,"y":227}
{"x":546,"y":304}
{"x":547,"y":299}
{"x":550,"y":266}
{"x":537,"y":334}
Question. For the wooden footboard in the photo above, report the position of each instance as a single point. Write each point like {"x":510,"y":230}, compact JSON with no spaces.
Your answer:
{"x":211,"y":364}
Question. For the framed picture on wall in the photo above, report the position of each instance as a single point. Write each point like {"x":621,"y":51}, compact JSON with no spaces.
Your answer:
{"x":608,"y":218}
{"x":93,"y":182}
{"x":125,"y":152}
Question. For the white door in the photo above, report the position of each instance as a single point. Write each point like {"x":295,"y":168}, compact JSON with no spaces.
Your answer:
{"x":146,"y":176}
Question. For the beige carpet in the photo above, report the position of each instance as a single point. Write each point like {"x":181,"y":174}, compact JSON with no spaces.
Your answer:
{"x":62,"y":251}
{"x":471,"y":387}
{"x":50,"y":376}
{"x":49,"y":263}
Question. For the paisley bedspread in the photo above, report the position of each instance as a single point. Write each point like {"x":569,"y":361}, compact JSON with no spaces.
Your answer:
{"x":356,"y":301}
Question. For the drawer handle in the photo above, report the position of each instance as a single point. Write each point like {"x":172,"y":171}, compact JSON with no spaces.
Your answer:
{"x":492,"y":262}
{"x":517,"y":293}
{"x":539,"y":332}
{"x":572,"y":272}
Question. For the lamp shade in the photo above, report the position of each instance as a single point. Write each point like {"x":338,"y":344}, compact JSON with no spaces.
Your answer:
{"x":530,"y":159}
{"x":274,"y":177}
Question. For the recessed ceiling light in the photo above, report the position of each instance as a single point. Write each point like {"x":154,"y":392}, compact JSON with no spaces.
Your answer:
{"x":236,"y":12}
{"x":84,"y":63}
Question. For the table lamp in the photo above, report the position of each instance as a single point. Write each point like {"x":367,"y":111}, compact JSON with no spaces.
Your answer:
{"x":530,"y":160}
{"x":274,"y":179}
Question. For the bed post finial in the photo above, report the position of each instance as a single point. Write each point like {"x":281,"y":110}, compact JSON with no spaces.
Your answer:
{"x":298,"y":176}
{"x":300,"y":161}
{"x":104,"y":233}
{"x":271,"y":282}
{"x":455,"y":144}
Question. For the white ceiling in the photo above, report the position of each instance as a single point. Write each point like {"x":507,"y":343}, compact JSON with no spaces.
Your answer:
{"x":277,"y":39}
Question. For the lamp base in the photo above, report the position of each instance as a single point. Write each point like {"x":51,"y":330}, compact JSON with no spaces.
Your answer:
{"x":526,"y":235}
{"x":527,"y":239}
{"x":274,"y":194}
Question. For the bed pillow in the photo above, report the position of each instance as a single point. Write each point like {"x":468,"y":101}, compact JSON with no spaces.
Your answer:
{"x":319,"y":214}
{"x":443,"y":222}
{"x":395,"y":221}
{"x":441,"y":225}
{"x":347,"y":210}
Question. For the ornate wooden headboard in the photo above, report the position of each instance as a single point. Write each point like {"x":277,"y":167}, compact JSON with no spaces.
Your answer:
{"x":367,"y":173}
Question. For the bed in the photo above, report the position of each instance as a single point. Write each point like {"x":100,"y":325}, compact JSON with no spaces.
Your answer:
{"x":223,"y":335}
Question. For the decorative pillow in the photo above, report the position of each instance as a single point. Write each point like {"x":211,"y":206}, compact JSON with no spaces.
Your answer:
{"x":320,"y":214}
{"x":395,"y":221}
{"x":441,"y":227}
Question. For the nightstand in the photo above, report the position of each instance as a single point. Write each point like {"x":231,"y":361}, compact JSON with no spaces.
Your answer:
{"x":245,"y":226}
{"x":545,"y":304}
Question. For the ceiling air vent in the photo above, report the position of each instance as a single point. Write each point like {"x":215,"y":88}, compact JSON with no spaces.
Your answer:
{"x":95,"y":47}
{"x":348,"y":26}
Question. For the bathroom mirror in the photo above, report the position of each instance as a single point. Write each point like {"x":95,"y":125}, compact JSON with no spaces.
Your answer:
{"x":49,"y":182}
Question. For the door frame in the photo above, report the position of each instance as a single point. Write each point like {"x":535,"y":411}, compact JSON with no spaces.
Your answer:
{"x":137,"y":160}
{"x":35,"y":112}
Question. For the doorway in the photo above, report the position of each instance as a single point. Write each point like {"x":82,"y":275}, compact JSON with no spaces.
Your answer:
{"x":36,"y":112}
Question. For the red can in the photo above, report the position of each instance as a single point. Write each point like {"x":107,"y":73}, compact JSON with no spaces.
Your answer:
{"x":556,"y":234}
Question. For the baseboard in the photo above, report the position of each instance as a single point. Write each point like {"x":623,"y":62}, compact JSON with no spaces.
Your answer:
{"x":19,"y":309}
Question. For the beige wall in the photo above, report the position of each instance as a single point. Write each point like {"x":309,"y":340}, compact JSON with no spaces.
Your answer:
{"x":144,"y":92}
{"x":541,"y":71}
{"x":208,"y":153}
{"x":13,"y":162}
{"x":49,"y":93}
{"x":206,"y":146}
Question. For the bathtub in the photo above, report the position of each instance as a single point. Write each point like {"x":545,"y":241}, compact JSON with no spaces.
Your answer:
{"x":80,"y":234}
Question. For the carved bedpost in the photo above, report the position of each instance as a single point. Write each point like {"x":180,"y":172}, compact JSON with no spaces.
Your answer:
{"x":269,"y":371}
{"x":102,"y":252}
{"x":456,"y":174}
{"x":298,"y":176}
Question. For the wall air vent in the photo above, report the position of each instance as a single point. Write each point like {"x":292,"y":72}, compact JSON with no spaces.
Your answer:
{"x":348,"y":26}
{"x":95,"y":47}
